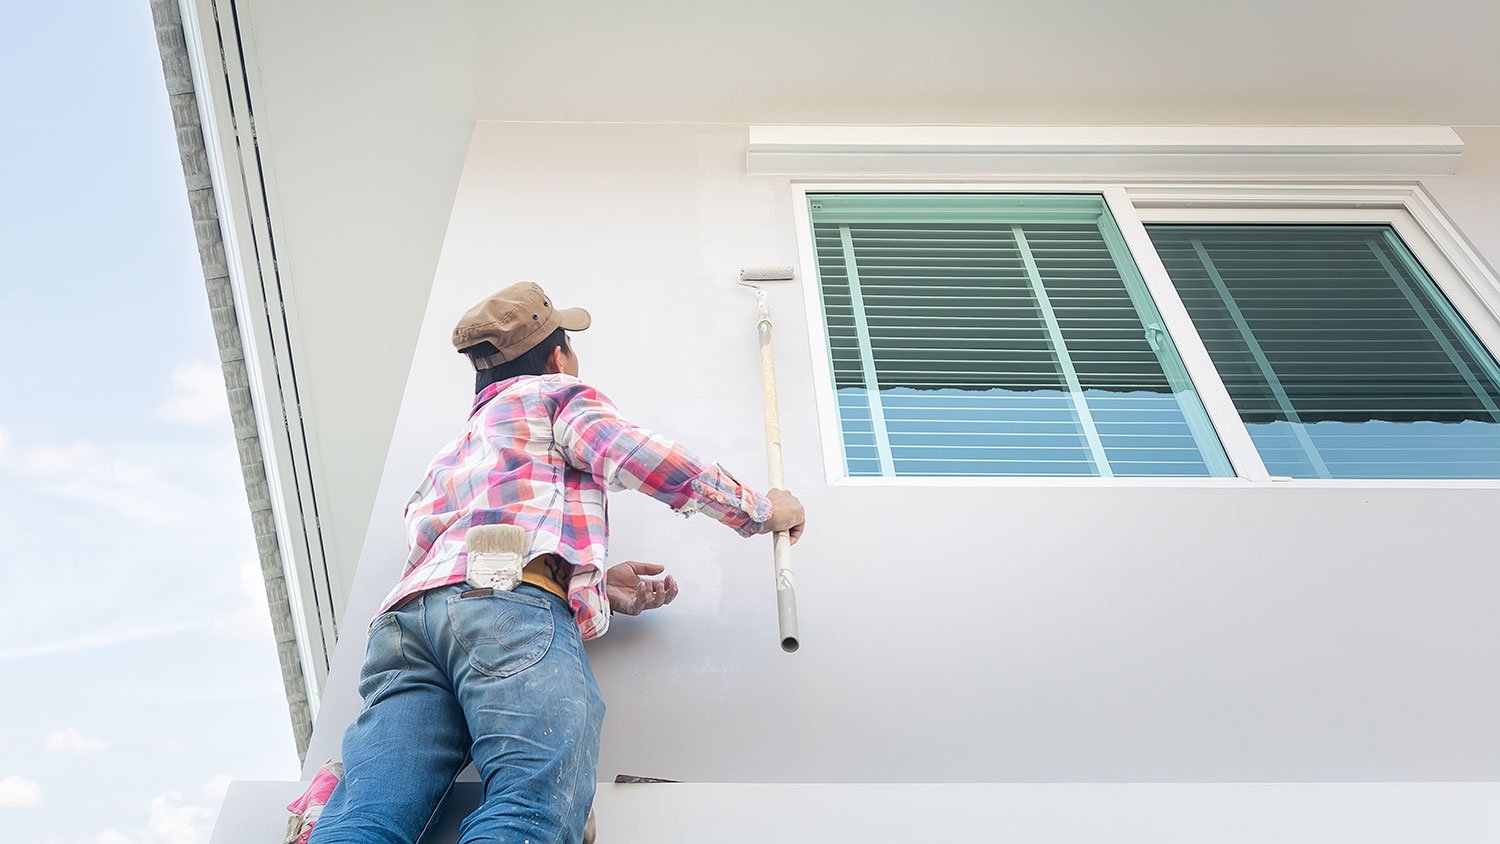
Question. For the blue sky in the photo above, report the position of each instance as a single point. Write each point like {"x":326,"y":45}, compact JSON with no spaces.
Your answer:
{"x":140,"y":672}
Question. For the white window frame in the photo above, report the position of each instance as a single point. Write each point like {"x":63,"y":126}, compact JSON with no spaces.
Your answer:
{"x":1406,"y":206}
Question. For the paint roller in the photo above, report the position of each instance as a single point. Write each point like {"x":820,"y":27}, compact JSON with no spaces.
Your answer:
{"x":781,"y":548}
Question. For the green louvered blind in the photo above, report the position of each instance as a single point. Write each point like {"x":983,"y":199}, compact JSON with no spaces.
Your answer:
{"x":1342,"y":356}
{"x":989,"y":334}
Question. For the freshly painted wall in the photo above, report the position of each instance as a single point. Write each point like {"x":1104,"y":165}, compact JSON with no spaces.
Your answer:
{"x":1006,"y":633}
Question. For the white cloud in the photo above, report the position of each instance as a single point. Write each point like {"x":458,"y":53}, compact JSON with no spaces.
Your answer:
{"x":250,"y":620}
{"x":197,"y":395}
{"x":267,"y":687}
{"x":16,"y":793}
{"x":101,"y":639}
{"x":4,"y":444}
{"x":175,"y":821}
{"x":85,"y":472}
{"x":167,"y":745}
{"x":71,"y":740}
{"x":213,"y":791}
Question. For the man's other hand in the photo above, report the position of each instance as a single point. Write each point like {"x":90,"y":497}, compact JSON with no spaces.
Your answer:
{"x":632,"y":591}
{"x":786,"y":514}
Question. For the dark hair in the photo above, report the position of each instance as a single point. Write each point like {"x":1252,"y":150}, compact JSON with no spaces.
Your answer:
{"x":533,"y":361}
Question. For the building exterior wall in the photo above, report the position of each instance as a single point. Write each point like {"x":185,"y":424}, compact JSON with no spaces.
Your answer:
{"x":983,"y":634}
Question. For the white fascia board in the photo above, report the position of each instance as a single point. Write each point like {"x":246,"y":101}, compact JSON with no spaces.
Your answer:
{"x":1113,"y":151}
{"x":264,"y":323}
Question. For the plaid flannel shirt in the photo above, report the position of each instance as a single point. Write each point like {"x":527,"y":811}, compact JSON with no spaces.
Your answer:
{"x":540,"y":452}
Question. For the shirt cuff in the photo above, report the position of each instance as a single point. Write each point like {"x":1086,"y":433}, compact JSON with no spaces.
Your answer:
{"x":717,"y":493}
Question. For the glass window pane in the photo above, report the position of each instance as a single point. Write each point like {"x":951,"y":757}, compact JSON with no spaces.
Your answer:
{"x":1341,"y":354}
{"x":990,"y":334}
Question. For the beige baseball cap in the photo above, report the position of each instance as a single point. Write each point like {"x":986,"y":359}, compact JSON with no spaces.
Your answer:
{"x":513,"y":321}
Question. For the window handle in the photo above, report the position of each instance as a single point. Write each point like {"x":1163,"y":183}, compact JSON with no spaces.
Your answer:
{"x":1155,"y":335}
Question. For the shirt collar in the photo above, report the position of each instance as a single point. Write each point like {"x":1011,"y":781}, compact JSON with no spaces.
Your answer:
{"x":494,"y":389}
{"x":486,"y":394}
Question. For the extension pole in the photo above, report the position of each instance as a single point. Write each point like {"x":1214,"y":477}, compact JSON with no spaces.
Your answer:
{"x":786,"y":587}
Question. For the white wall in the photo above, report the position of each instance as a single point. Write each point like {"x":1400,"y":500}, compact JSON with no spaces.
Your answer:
{"x":996,"y":634}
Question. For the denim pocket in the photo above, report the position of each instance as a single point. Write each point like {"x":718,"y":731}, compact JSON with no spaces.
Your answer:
{"x":504,"y":633}
{"x":385,"y":657}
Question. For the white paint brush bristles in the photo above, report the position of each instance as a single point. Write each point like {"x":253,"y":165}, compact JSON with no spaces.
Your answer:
{"x":497,"y":553}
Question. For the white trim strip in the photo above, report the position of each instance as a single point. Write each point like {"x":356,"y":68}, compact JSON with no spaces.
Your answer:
{"x":1478,"y":278}
{"x":1139,"y":482}
{"x":264,"y":316}
{"x":1120,"y":151}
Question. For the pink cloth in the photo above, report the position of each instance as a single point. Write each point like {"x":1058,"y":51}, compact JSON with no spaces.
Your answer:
{"x":307,"y":808}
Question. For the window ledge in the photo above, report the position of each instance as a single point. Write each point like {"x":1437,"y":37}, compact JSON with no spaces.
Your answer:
{"x":1033,"y":482}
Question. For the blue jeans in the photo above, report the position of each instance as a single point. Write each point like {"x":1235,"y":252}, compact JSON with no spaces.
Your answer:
{"x":502,"y":678}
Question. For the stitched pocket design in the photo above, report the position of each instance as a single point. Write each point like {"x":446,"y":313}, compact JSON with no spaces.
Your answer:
{"x":503,"y":633}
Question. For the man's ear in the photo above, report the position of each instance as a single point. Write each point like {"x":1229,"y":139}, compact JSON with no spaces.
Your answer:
{"x":555,"y":360}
